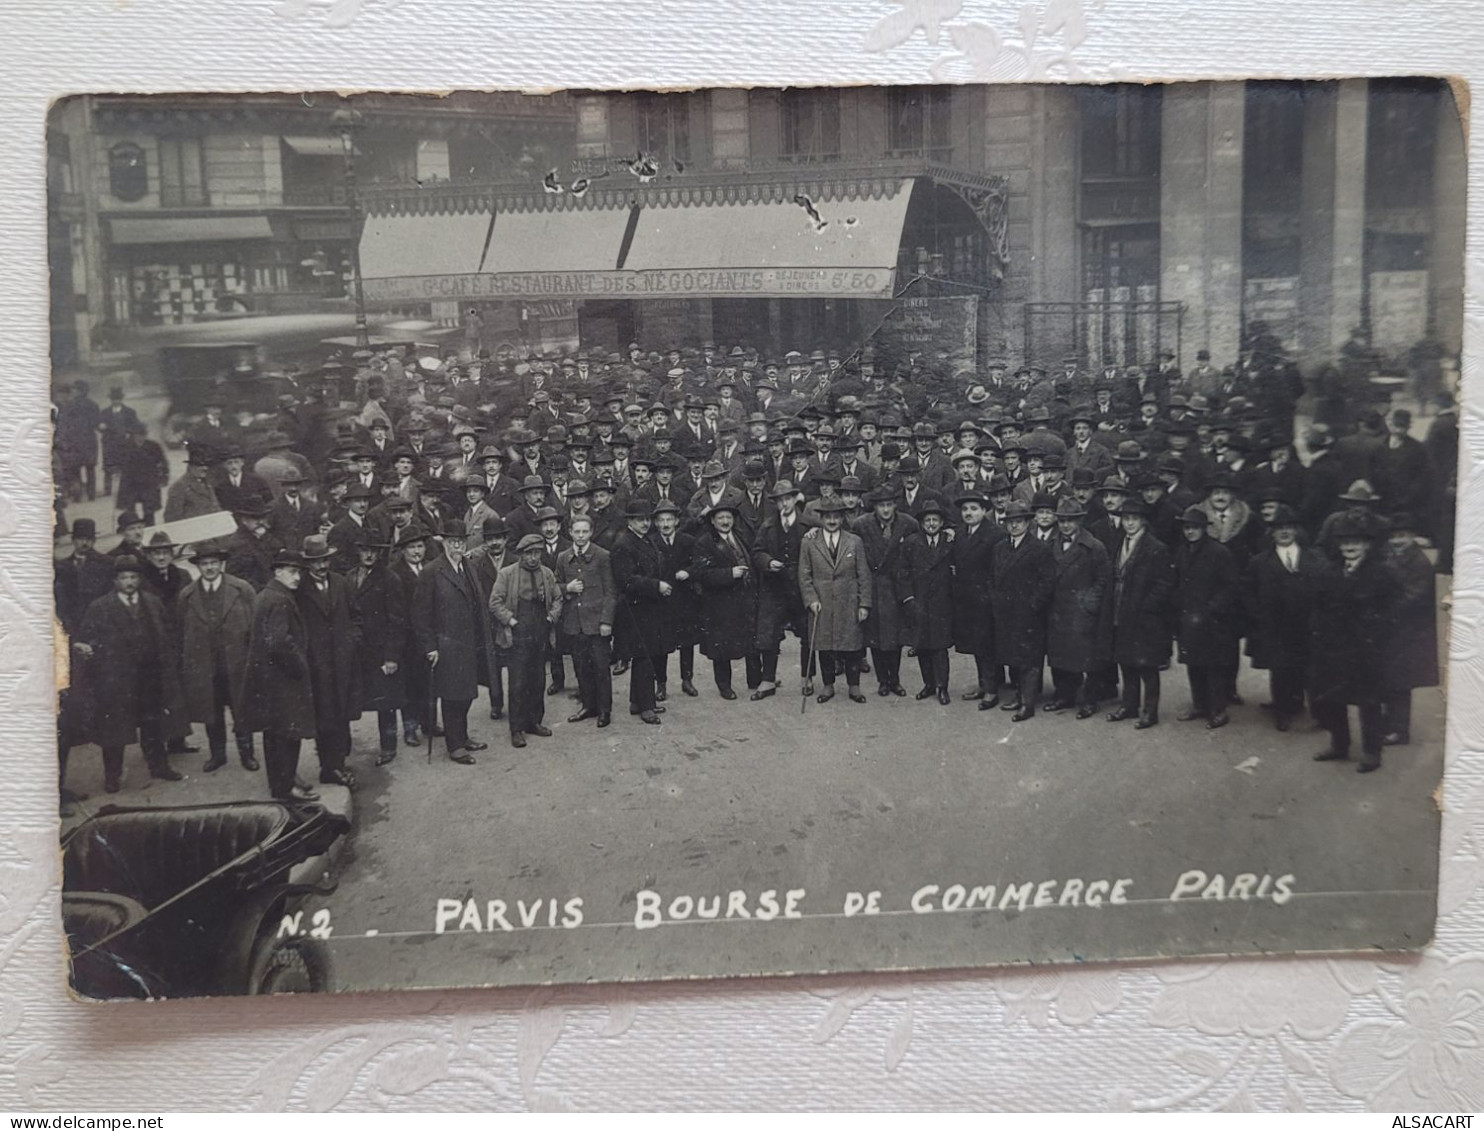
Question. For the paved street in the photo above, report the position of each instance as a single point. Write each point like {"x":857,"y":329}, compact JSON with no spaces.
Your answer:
{"x":890,"y":796}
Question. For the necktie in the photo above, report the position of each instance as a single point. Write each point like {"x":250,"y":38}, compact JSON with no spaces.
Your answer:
{"x":933,"y":542}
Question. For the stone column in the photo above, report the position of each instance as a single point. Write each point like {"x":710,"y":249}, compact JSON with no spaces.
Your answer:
{"x":1332,"y":238}
{"x":1052,"y":275}
{"x":729,"y":149}
{"x":1200,"y":215}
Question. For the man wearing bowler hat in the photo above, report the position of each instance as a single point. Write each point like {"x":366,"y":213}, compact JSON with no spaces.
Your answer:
{"x":974,"y":629}
{"x":278,"y":696}
{"x":1143,"y":580}
{"x":1078,"y":625}
{"x":333,"y":647}
{"x":526,"y":604}
{"x":452,"y":626}
{"x":379,"y":605}
{"x":640,"y":619}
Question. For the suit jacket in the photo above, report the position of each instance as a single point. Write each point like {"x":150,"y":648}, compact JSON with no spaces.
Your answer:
{"x":214,"y":634}
{"x":505,"y":599}
{"x":1022,"y":579}
{"x":251,"y":491}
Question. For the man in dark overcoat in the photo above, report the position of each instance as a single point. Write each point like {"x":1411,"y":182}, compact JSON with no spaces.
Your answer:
{"x":882,"y":532}
{"x":277,"y":694}
{"x":214,"y":619}
{"x":378,"y":605}
{"x":925,"y":587}
{"x":589,"y":601}
{"x":252,"y":549}
{"x":682,"y":610}
{"x":143,"y":473}
{"x":114,"y":424}
{"x":721,"y":563}
{"x":1280,"y":592}
{"x":1352,"y":624}
{"x":1207,"y":607}
{"x":1078,"y":623}
{"x":78,"y":580}
{"x":453,"y":630}
{"x":128,"y":677}
{"x":1143,"y":579}
{"x":974,"y":627}
{"x":334,"y":658}
{"x":780,"y":608}
{"x":495,"y":554}
{"x":640,"y":630}
{"x":1412,"y":658}
{"x":410,"y":564}
{"x":1023,"y":575}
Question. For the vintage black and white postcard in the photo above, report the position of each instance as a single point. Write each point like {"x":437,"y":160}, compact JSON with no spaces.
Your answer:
{"x":513,"y":539}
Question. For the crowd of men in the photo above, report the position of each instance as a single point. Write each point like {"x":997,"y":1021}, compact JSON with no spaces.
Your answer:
{"x":411,"y":530}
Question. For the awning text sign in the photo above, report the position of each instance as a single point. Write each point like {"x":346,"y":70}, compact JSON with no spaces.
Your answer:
{"x":740,"y":282}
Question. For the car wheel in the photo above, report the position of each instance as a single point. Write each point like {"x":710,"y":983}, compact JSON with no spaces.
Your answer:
{"x":289,"y":966}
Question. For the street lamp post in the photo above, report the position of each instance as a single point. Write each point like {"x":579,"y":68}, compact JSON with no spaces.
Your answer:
{"x":347,"y":120}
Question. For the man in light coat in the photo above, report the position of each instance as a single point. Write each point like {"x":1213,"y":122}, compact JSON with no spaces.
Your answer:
{"x":835,"y":582}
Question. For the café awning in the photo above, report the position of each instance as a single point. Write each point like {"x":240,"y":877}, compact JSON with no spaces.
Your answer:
{"x":188,"y":229}
{"x":654,"y":248}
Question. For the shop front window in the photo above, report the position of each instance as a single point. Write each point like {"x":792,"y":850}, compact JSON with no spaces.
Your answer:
{"x":128,"y":178}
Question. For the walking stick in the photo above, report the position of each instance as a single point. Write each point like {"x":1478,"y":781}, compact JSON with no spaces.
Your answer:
{"x":813,"y":657}
{"x":431,"y":719}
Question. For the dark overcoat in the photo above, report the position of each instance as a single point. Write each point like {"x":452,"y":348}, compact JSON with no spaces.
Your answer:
{"x":885,"y":627}
{"x":78,"y":581}
{"x":132,"y":659}
{"x":1207,"y":604}
{"x":334,"y":655}
{"x":379,"y":608}
{"x":1022,"y":580}
{"x":779,"y":605}
{"x":924,"y":584}
{"x":277,"y":695}
{"x":728,"y":603}
{"x":1352,"y":623}
{"x":1141,"y":597}
{"x":641,"y":615}
{"x":681,"y":611}
{"x":251,"y":558}
{"x":841,"y":584}
{"x":1079,"y":625}
{"x":973,"y":584}
{"x":450,"y":617}
{"x":1412,"y":658}
{"x":1278,"y":606}
{"x":208,"y":630}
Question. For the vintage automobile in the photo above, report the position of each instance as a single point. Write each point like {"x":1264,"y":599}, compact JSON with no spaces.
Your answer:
{"x":169,"y":902}
{"x":232,"y":371}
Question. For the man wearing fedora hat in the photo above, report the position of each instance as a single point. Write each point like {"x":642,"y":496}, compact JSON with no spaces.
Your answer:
{"x":235,"y":485}
{"x":379,"y":606}
{"x":452,"y":625}
{"x":1280,"y":592}
{"x":333,"y":650}
{"x":166,"y":580}
{"x":214,"y":615}
{"x":1143,"y":580}
{"x":292,"y":516}
{"x":882,"y":532}
{"x":114,"y":424}
{"x":1023,"y":575}
{"x":640,"y":631}
{"x":1206,"y":603}
{"x":716,"y":491}
{"x":835,"y":583}
{"x":126,"y":674}
{"x":192,"y":494}
{"x":721,"y":563}
{"x":143,"y":473}
{"x":924,"y":585}
{"x":526,"y":603}
{"x":278,"y":695}
{"x":1078,"y":622}
{"x":974,"y":629}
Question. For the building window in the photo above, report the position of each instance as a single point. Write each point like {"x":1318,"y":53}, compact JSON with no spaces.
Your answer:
{"x":182,"y":172}
{"x":127,"y":177}
{"x":1402,"y":134}
{"x":1120,"y":130}
{"x":662,"y":125}
{"x":919,"y":122}
{"x":810,"y":125}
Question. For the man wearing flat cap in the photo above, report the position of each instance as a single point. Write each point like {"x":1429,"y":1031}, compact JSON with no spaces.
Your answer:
{"x":526,"y":604}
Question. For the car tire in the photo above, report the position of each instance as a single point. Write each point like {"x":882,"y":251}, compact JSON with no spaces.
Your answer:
{"x":288,"y":966}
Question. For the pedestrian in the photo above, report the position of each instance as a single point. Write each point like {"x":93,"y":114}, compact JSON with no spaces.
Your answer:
{"x":639,"y":631}
{"x":1023,"y":576}
{"x":1079,"y":621}
{"x":1280,"y":591}
{"x":973,"y":628}
{"x":114,"y":425}
{"x":1207,"y":607}
{"x":883,"y":532}
{"x":1412,"y":655}
{"x":1143,"y":579}
{"x":78,"y":421}
{"x":589,"y":601}
{"x":277,"y":695}
{"x":214,"y":619}
{"x":721,"y":563}
{"x":1352,"y":624}
{"x":526,"y":603}
{"x":128,"y":674}
{"x":780,"y":607}
{"x":925,"y":588}
{"x":334,"y":654}
{"x":379,"y":606}
{"x":192,"y":494}
{"x":143,"y":473}
{"x":682,"y":609}
{"x":835,"y":583}
{"x":453,"y":632}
